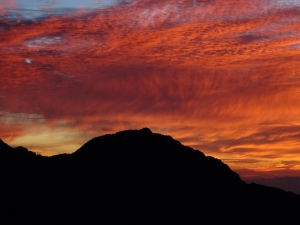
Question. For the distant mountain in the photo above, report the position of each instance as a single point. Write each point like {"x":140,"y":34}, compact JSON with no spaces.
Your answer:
{"x":132,"y":177}
{"x":287,"y":183}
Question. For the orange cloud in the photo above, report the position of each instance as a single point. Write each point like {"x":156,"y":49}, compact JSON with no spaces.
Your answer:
{"x":220,"y":76}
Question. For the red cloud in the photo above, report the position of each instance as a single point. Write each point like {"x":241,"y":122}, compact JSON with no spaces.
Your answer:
{"x":224,"y":82}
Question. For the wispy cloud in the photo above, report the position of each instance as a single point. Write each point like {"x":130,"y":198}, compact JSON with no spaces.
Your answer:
{"x":219,"y":76}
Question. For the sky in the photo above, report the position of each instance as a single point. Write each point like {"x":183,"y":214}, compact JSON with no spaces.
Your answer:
{"x":221,"y":76}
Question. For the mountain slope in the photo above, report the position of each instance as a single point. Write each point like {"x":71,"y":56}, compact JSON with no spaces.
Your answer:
{"x":132,"y":176}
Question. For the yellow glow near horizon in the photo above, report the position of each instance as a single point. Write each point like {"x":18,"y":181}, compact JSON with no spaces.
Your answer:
{"x":221,"y":77}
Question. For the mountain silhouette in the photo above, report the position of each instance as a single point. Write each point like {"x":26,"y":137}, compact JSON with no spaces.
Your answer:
{"x":131,"y":177}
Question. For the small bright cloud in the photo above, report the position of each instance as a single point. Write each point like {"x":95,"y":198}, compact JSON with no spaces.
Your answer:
{"x":42,"y":41}
{"x":28,"y":61}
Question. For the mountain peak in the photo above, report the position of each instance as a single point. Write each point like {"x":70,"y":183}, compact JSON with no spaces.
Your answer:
{"x":152,"y":154}
{"x":146,"y":130}
{"x":146,"y":177}
{"x":3,"y":145}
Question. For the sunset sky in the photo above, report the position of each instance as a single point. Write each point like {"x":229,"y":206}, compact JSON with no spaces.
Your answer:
{"x":221,"y":76}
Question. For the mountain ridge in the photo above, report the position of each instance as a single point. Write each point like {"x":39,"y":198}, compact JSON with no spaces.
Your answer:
{"x":116,"y":178}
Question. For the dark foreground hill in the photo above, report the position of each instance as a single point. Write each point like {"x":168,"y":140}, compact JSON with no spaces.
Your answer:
{"x":133,"y":177}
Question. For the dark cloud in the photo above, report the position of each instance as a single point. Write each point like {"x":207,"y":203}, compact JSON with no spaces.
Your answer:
{"x":241,"y":161}
{"x":247,"y":38}
{"x":265,"y":135}
{"x":290,"y":164}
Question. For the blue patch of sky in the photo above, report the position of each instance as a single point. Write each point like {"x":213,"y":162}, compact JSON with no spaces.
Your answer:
{"x":289,"y":3}
{"x":33,"y":9}
{"x":38,"y":4}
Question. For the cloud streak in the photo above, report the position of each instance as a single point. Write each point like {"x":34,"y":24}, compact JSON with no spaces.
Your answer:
{"x":220,"y":76}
